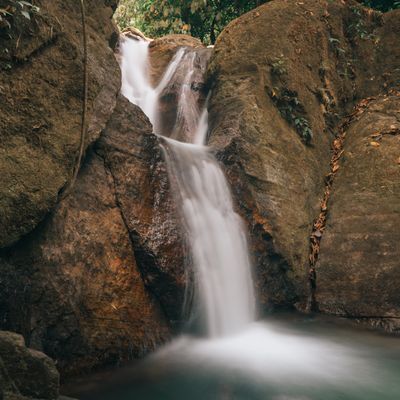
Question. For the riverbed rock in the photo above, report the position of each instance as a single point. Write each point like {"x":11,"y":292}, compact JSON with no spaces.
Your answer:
{"x":359,"y":270}
{"x":73,"y":287}
{"x":41,"y":95}
{"x":25,"y":373}
{"x":278,"y":96}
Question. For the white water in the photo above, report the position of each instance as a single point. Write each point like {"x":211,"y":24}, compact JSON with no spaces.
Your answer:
{"x":136,"y":85}
{"x":217,"y":238}
{"x":288,"y":362}
{"x":216,"y":235}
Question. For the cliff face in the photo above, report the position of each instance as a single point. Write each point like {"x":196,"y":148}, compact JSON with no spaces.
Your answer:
{"x":278,"y":98}
{"x":73,"y":286}
{"x":41,"y":102}
{"x":70,"y":282}
{"x":359,"y":260}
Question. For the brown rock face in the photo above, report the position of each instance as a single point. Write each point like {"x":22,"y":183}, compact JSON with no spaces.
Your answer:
{"x":194,"y":60}
{"x":359,"y":270}
{"x":162,"y":50}
{"x":25,"y":373}
{"x":277,"y":98}
{"x":41,"y":104}
{"x":73,"y":286}
{"x":133,"y":157}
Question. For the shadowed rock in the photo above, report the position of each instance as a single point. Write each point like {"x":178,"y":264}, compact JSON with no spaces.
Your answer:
{"x":25,"y":373}
{"x":278,"y":96}
{"x":73,"y":286}
{"x":41,"y":95}
{"x":359,"y":271}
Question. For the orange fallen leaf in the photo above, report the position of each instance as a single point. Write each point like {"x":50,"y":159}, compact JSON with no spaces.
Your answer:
{"x":336,"y":143}
{"x":335,"y":168}
{"x":374,"y":144}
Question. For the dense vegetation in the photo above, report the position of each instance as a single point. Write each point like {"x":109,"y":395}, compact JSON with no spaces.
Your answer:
{"x":204,"y":19}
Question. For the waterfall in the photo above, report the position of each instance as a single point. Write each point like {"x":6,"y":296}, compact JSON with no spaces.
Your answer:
{"x":216,"y":234}
{"x":240,"y":359}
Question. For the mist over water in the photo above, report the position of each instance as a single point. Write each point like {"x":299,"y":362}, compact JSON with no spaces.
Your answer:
{"x":239,"y":358}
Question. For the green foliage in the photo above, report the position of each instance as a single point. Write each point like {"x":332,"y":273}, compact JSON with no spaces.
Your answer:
{"x":15,"y":15}
{"x":12,"y":8}
{"x":303,"y":129}
{"x":358,"y":27}
{"x":293,"y":111}
{"x":204,"y":19}
{"x":382,"y":5}
{"x":278,"y":66}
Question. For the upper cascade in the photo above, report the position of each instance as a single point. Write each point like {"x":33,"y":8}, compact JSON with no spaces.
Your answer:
{"x":177,"y":103}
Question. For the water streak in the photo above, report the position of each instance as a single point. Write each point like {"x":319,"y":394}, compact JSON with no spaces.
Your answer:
{"x":217,"y":238}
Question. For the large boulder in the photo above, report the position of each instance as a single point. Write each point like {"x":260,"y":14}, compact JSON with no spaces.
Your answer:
{"x":278,"y":96}
{"x":134,"y":159}
{"x":41,"y":87}
{"x":73,"y":286}
{"x":359,"y":271}
{"x":25,"y":373}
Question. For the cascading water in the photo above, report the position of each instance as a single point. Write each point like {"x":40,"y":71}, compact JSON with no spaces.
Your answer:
{"x":217,"y":238}
{"x":135,"y":81}
{"x":216,"y":235}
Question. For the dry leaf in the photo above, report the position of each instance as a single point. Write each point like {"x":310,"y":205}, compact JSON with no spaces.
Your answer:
{"x":374,"y":144}
{"x":335,"y":168}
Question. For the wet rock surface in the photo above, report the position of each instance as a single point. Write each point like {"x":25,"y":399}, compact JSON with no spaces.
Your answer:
{"x":194,"y":62}
{"x":73,"y":287}
{"x":41,"y":87}
{"x":25,"y":373}
{"x":276,"y":103}
{"x":162,"y":50}
{"x":358,"y":273}
{"x":133,"y":157}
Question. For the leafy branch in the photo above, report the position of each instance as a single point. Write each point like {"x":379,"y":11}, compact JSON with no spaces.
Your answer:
{"x":13,"y":8}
